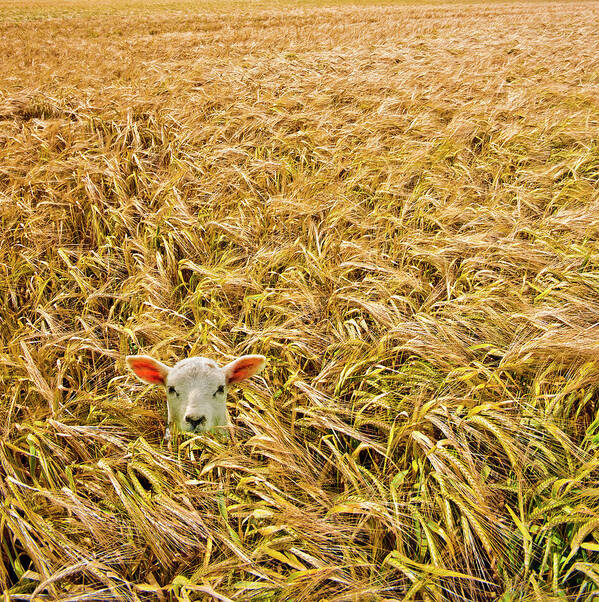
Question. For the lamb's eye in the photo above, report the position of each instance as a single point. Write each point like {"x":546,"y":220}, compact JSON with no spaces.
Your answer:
{"x":220,"y":390}
{"x":172,"y":391}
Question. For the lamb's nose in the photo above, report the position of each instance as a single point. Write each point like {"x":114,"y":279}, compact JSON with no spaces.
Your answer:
{"x":195,"y":421}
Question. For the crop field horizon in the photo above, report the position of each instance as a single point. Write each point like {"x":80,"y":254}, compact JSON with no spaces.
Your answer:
{"x":397,"y":204}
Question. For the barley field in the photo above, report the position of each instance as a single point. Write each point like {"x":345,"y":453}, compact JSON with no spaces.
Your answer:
{"x":397,"y":204}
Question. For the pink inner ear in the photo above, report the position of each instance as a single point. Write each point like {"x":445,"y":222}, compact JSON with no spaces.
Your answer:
{"x":148,"y":371}
{"x":243,"y":368}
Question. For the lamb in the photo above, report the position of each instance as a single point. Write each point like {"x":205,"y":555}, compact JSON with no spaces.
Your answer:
{"x":196,"y":388}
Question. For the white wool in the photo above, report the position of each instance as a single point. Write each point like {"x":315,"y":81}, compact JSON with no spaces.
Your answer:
{"x":196,"y":388}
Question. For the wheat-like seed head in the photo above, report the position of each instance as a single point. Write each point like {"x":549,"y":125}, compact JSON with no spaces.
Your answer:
{"x":395,"y":203}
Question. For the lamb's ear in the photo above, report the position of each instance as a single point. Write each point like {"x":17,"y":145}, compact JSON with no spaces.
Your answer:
{"x":148,"y":369}
{"x":244,"y":367}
